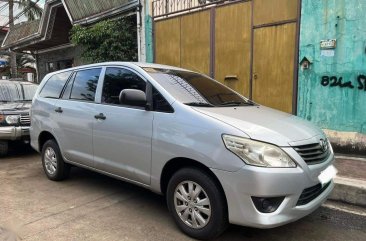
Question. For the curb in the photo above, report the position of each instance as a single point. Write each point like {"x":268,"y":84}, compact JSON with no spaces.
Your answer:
{"x":354,"y":158}
{"x":351,"y":191}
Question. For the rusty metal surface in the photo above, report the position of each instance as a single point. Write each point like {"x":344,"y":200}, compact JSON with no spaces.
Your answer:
{"x":232,"y":46}
{"x":162,"y":8}
{"x":271,"y":11}
{"x":81,"y":9}
{"x":273,"y":60}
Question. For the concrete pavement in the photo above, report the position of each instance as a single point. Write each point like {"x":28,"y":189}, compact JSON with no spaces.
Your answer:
{"x":90,"y":206}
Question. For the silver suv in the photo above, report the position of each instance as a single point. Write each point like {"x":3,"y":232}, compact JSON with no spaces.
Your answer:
{"x":218,"y":157}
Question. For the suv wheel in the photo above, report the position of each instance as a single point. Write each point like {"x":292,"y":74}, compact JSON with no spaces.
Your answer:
{"x":53,"y":164}
{"x":4,"y":147}
{"x":197,"y":204}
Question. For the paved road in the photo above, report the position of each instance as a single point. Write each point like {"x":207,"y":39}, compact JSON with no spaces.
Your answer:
{"x":90,"y":206}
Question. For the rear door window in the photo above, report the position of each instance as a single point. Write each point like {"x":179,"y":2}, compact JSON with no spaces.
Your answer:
{"x":85,"y":84}
{"x":54,"y":85}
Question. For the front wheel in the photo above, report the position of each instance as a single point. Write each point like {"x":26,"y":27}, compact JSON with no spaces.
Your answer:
{"x":53,"y":164}
{"x":197,"y":204}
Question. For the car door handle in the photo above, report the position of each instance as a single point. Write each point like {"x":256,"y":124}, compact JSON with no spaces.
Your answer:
{"x":100,"y":116}
{"x":58,"y":110}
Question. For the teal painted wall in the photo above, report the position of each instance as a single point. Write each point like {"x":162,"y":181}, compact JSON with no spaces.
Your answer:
{"x":333,"y":107}
{"x":148,"y":33}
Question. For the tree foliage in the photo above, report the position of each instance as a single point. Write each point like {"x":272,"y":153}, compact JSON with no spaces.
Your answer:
{"x":109,"y":40}
{"x":32,"y":9}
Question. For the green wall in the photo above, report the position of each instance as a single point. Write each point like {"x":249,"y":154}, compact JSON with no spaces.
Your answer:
{"x":148,"y":34}
{"x":333,"y":107}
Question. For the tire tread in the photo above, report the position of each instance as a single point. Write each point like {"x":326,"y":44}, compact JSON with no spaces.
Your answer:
{"x":219,"y":219}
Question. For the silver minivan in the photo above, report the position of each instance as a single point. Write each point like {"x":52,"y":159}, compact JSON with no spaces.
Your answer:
{"x":218,"y":157}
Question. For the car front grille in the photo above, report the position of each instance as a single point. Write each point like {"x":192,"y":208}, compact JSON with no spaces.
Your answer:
{"x":25,"y":120}
{"x":309,"y":194}
{"x":313,"y":153}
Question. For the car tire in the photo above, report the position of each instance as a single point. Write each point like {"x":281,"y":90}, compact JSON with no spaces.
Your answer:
{"x":185,"y":207}
{"x":4,"y":148}
{"x":53,"y":164}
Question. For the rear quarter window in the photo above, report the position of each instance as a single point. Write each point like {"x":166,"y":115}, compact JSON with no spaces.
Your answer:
{"x":54,"y":85}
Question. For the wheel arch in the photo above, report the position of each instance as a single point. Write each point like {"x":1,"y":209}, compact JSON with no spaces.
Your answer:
{"x":178,"y":163}
{"x":43,"y":137}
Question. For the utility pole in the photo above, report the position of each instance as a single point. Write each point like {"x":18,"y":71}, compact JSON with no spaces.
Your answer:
{"x":13,"y":58}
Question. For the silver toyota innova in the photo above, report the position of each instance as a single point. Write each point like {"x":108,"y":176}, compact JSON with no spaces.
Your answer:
{"x":218,"y":157}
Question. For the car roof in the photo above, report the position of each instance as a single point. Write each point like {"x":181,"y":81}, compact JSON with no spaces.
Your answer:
{"x":127,"y":64}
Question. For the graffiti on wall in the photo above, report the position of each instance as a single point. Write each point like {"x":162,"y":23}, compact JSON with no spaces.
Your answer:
{"x":334,"y":81}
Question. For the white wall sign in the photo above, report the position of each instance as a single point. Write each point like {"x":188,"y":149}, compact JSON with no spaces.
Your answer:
{"x":328,"y":44}
{"x":327,"y":53}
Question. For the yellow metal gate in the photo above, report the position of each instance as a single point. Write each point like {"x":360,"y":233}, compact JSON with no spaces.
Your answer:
{"x":232,"y":46}
{"x":251,"y":46}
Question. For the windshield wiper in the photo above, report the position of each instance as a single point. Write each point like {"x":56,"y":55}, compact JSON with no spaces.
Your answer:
{"x":235,"y":103}
{"x":201,"y":104}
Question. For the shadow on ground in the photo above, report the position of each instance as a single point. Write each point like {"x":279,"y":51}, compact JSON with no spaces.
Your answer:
{"x":19,"y":149}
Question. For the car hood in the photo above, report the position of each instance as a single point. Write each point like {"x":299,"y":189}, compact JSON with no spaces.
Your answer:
{"x":265,"y":124}
{"x":15,"y":107}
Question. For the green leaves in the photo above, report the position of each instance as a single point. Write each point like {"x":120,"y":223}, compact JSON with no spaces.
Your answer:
{"x":34,"y":11}
{"x":109,"y":40}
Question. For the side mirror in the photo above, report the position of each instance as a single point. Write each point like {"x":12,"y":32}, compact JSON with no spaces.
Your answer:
{"x":132,"y":97}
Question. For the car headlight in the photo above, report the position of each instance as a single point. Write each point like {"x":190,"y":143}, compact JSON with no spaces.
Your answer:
{"x":12,"y":119}
{"x":257,"y":153}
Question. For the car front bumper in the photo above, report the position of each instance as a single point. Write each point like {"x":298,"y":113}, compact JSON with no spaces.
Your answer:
{"x":250,"y":181}
{"x":14,"y":132}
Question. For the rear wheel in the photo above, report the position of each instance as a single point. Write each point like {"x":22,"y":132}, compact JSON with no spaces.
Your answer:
{"x":197,"y":204}
{"x":4,"y":148}
{"x":53,"y":164}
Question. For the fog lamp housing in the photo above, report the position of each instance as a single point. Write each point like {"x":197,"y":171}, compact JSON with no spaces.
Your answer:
{"x":267,"y":204}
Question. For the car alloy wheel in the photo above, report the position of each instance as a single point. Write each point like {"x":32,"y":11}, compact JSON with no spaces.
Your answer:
{"x":50,"y":160}
{"x":192,"y":204}
{"x":53,"y":164}
{"x":197,"y":203}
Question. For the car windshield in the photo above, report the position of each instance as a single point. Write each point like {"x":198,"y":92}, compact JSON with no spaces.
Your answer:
{"x":196,"y":89}
{"x":11,"y":92}
{"x":29,"y":91}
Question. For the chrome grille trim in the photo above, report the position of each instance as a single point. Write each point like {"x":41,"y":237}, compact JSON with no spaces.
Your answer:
{"x":25,"y":120}
{"x":313,"y":153}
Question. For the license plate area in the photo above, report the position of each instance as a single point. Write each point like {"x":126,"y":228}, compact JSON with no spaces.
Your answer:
{"x":327,"y":175}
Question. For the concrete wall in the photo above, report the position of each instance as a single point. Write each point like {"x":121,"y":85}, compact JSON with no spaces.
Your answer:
{"x":57,"y":55}
{"x":332,"y":93}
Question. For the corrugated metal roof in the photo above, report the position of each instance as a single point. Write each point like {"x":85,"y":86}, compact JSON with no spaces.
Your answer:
{"x":22,"y":31}
{"x":81,"y":9}
{"x":80,"y":12}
